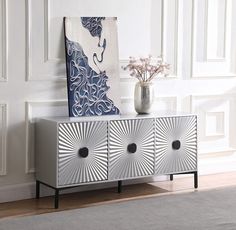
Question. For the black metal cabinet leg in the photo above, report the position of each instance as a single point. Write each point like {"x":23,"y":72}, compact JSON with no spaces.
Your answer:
{"x":37,"y":189}
{"x":56,"y":198}
{"x":195,"y":180}
{"x":119,"y":186}
{"x":195,"y":177}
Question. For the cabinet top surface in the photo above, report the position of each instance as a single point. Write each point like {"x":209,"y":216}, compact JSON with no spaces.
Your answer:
{"x":116,"y":117}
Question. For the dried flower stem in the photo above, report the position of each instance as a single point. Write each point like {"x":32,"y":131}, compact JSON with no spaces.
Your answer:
{"x":143,"y":70}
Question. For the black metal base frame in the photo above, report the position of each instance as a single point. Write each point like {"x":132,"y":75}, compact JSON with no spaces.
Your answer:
{"x":195,"y":177}
{"x":56,"y":195}
{"x":57,"y":191}
{"x":119,"y":189}
{"x":119,"y":186}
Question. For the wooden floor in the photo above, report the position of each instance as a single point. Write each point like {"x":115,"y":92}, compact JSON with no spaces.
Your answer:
{"x":104,"y":196}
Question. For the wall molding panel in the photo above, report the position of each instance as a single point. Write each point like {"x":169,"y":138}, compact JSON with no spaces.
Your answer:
{"x":163,"y":103}
{"x":46,"y":31}
{"x":215,"y":119}
{"x":170,"y":28}
{"x":28,"y":48}
{"x":47,"y":44}
{"x":213,"y":38}
{"x":216,"y":39}
{"x":36,"y":109}
{"x":3,"y":40}
{"x":166,"y":103}
{"x":40,"y":66}
{"x":219,"y":123}
{"x":3,"y":139}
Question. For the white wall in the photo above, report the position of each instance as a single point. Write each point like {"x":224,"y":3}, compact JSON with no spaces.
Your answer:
{"x":195,"y":36}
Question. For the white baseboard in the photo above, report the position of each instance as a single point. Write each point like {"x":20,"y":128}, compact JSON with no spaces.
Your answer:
{"x":222,"y":163}
{"x":17,"y":192}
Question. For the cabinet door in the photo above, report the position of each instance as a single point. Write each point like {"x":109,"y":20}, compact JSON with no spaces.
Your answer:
{"x":82,"y":152}
{"x":176,"y":144}
{"x":131,"y":148}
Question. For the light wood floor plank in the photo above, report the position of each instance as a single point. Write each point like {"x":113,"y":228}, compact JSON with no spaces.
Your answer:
{"x":90,"y":198}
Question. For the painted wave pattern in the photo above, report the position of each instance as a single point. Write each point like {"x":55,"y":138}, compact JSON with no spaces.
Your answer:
{"x":87,"y":88}
{"x":94,"y":26}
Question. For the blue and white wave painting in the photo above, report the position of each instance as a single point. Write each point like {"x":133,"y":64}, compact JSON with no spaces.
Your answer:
{"x":87,"y":87}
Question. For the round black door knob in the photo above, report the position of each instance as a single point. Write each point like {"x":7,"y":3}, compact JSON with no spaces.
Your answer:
{"x":132,"y":148}
{"x":83,"y":152}
{"x":176,"y":144}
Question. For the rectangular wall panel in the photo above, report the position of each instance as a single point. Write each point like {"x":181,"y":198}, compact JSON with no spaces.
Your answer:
{"x":39,"y":67}
{"x":3,"y":40}
{"x":216,"y":29}
{"x":170,"y":33}
{"x":34,"y":110}
{"x":213,"y":38}
{"x":159,"y":104}
{"x":215,"y":122}
{"x":3,"y":138}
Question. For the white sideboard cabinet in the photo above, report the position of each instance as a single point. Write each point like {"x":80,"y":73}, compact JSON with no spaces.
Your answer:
{"x":76,"y":151}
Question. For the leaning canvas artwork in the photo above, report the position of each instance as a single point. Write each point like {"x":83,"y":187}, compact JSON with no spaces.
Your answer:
{"x":91,"y":46}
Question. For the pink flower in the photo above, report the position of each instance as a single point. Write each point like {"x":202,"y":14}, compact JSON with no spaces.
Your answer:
{"x":144,"y":70}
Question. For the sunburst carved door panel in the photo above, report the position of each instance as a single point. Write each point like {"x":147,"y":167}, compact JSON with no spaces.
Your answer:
{"x":176,"y":144}
{"x":82,"y":153}
{"x":131,"y":148}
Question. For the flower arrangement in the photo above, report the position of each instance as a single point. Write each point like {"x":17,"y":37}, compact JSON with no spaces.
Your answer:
{"x":144,"y":69}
